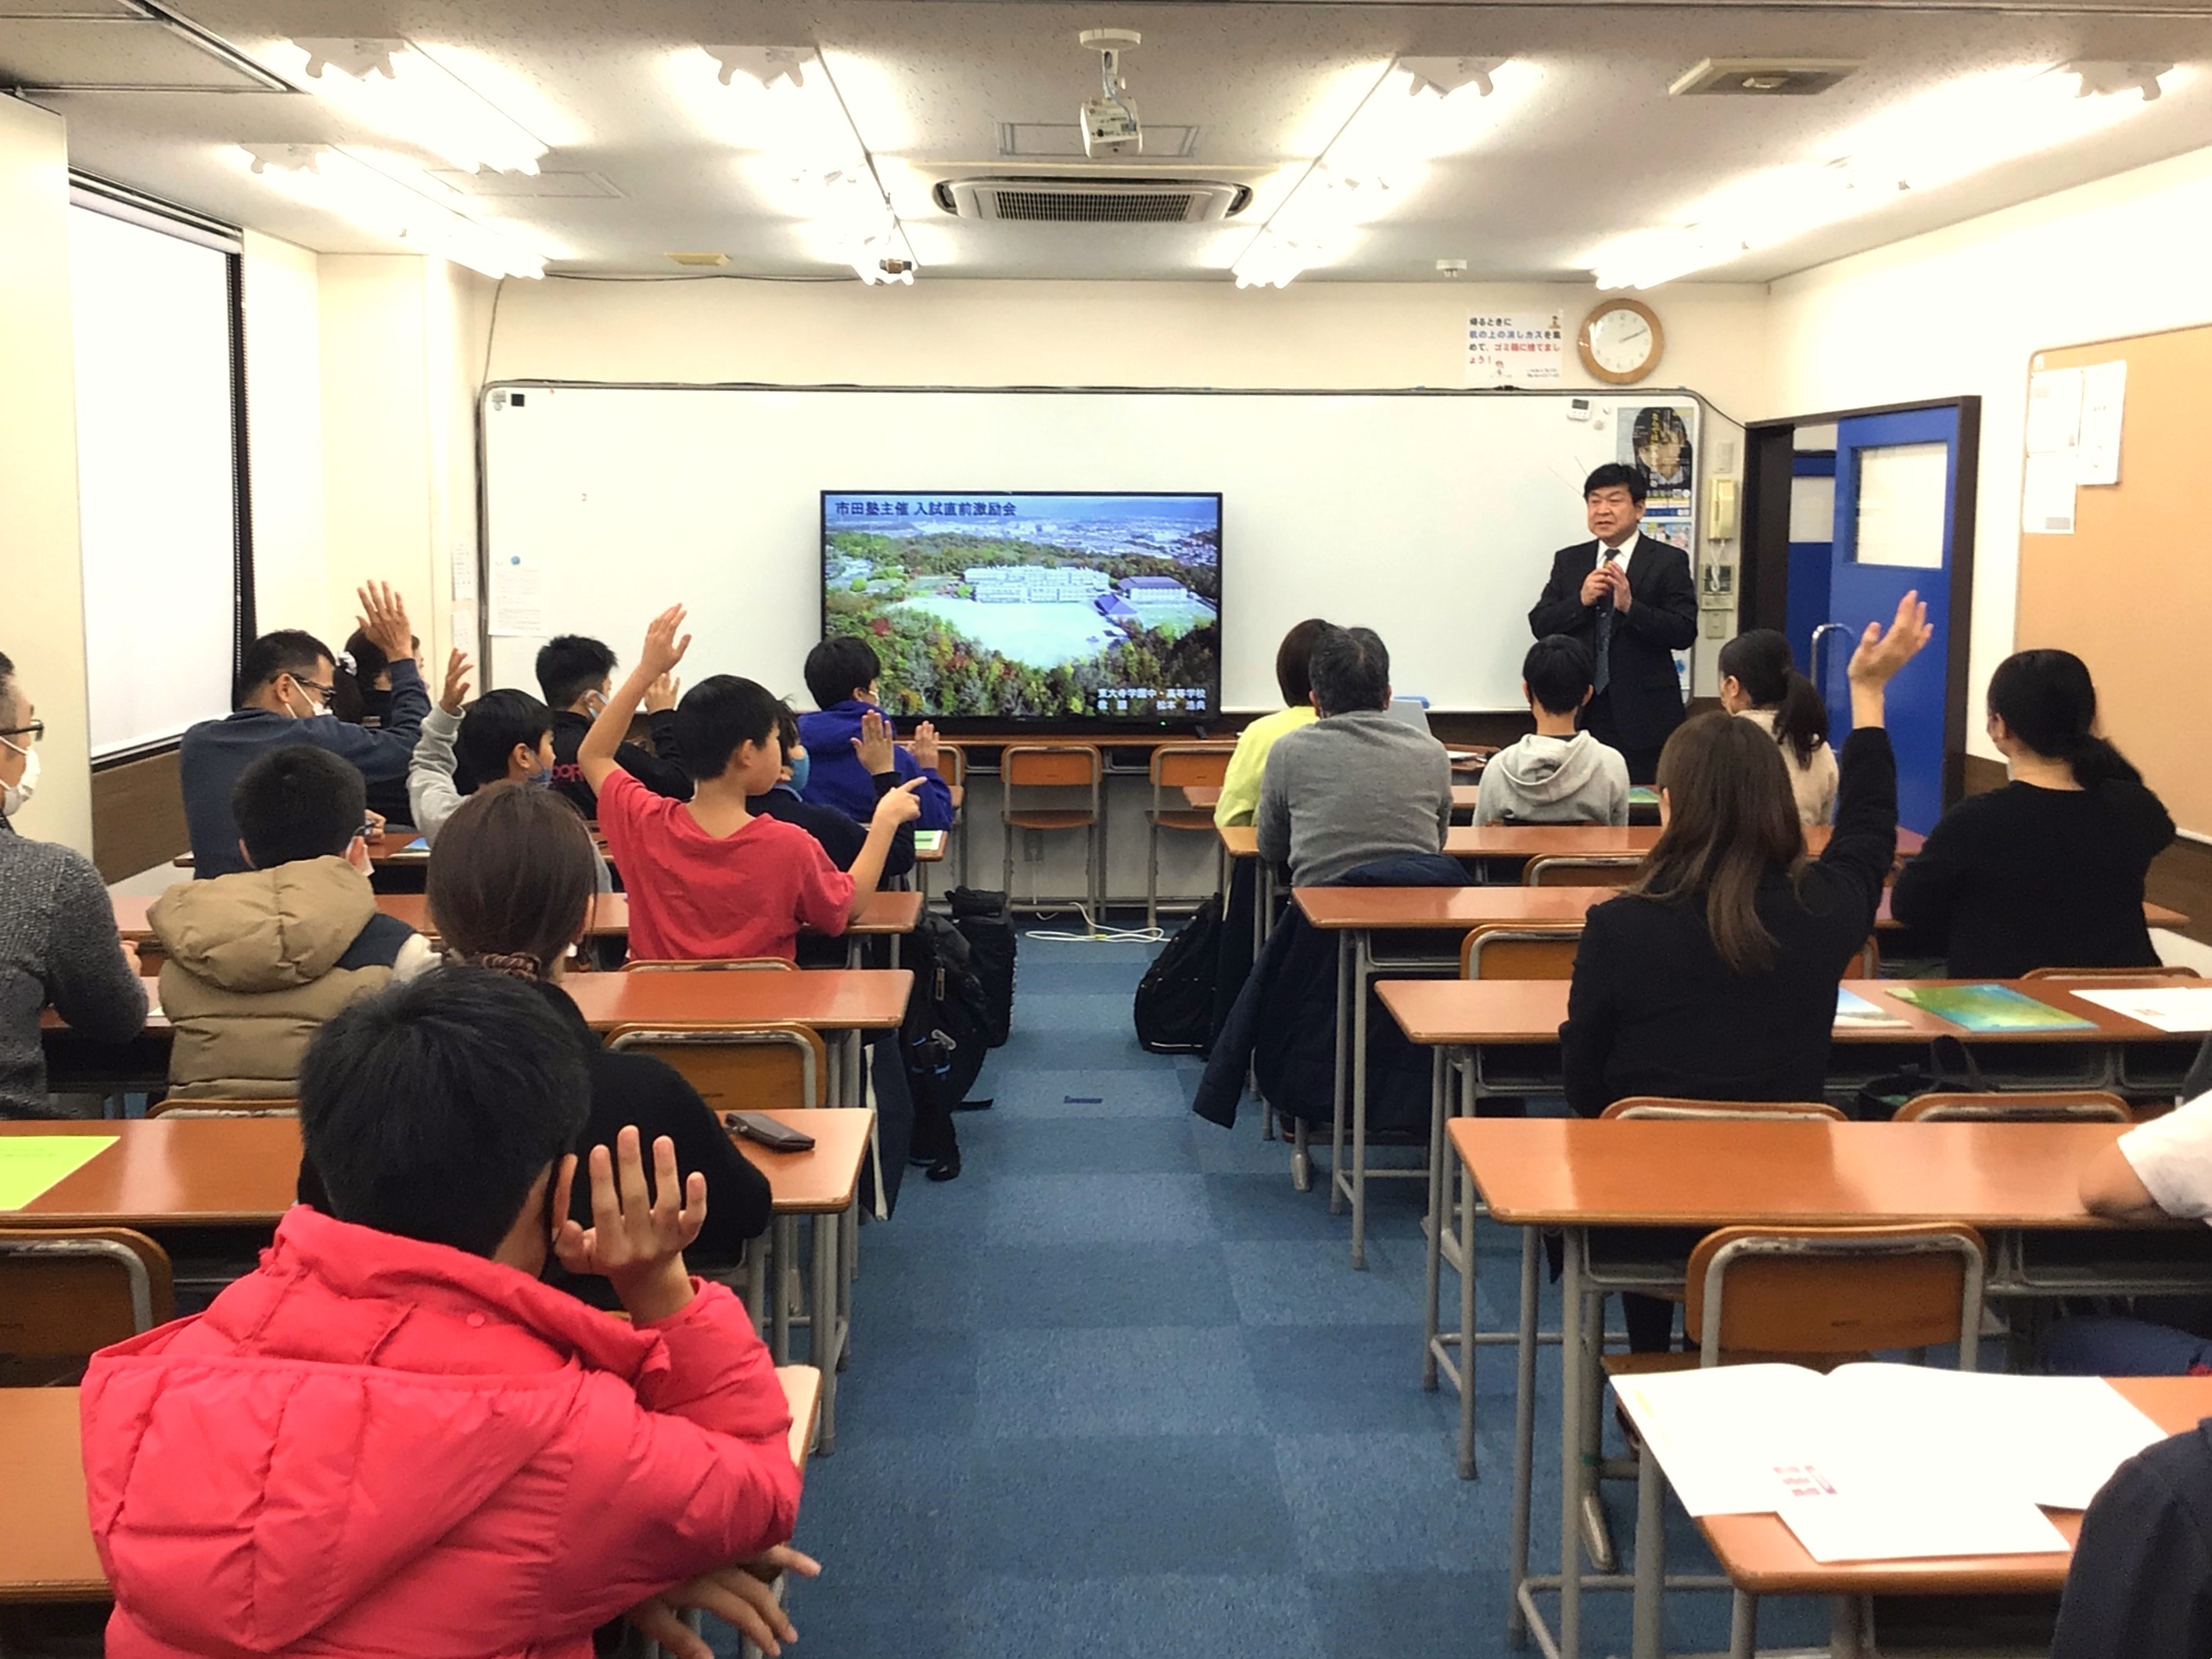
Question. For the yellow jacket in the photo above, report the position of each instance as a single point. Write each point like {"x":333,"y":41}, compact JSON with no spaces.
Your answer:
{"x":1240,"y":789}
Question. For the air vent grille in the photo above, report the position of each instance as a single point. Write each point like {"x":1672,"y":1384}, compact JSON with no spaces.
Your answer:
{"x":1762,"y":78}
{"x":1064,"y":200}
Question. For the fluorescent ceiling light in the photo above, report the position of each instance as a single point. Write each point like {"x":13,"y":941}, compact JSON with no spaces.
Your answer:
{"x":791,"y":111}
{"x":335,"y":181}
{"x":1923,"y":145}
{"x":394,"y":87}
{"x":1418,"y":109}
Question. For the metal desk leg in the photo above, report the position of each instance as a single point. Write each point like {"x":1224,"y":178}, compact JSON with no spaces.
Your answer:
{"x":757,"y":1253}
{"x":1650,"y":1558}
{"x":1336,"y":1072}
{"x":1572,"y":1358}
{"x":822,"y":1340}
{"x":1597,"y":1536}
{"x":1743,"y":1626}
{"x":1524,"y":1421}
{"x":1301,"y":1154}
{"x":779,"y":1287}
{"x":852,"y":951}
{"x":1362,"y":968}
{"x":848,"y":1263}
{"x":1439,"y":1218}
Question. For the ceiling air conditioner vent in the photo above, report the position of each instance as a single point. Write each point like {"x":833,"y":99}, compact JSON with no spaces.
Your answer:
{"x":1762,"y":78}
{"x":1064,"y":200}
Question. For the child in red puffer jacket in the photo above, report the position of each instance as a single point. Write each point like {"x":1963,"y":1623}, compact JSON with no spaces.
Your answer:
{"x":392,"y":1438}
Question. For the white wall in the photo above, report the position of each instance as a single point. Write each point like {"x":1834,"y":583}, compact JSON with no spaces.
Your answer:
{"x":42,"y":618}
{"x":284,"y":433}
{"x":1962,"y":311}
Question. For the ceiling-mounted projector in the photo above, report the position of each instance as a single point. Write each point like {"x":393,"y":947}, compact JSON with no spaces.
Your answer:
{"x":1110,"y":121}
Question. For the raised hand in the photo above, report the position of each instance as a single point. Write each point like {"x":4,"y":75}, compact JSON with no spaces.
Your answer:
{"x":636,"y":1240}
{"x":661,"y":694}
{"x":925,"y":746}
{"x":383,"y":620}
{"x":664,"y":643}
{"x":457,"y":682}
{"x":877,"y":753}
{"x":1881,"y":654}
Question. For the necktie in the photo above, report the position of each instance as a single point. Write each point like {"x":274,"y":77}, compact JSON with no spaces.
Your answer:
{"x":1602,"y":670}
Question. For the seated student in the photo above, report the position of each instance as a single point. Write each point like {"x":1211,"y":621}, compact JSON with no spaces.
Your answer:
{"x":577,"y":673}
{"x":503,"y":736}
{"x":258,"y":959}
{"x":58,"y":938}
{"x":841,"y":838}
{"x":512,"y":883}
{"x":1240,"y":785}
{"x":361,"y":695}
{"x":2048,"y":871}
{"x":1555,"y":775}
{"x":283,"y":697}
{"x":706,"y":878}
{"x":1358,"y":785}
{"x":391,"y":1438}
{"x":2140,"y":1584}
{"x":1714,"y":977}
{"x":841,"y":676}
{"x":1760,"y":683}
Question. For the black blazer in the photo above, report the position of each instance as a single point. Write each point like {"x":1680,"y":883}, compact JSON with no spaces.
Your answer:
{"x":1646,"y":696}
{"x":1653,"y":1009}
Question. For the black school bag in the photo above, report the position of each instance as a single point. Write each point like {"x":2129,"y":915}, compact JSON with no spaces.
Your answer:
{"x":947,"y":1032}
{"x":987,"y":922}
{"x":1175,"y":998}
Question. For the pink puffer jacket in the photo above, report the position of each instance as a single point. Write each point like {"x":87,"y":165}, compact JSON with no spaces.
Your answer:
{"x":373,"y":1446}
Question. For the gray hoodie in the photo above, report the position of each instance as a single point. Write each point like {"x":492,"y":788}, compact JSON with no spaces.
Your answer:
{"x":1542,"y":779}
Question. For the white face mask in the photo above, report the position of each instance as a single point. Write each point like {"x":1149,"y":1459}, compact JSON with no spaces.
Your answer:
{"x":17,"y":795}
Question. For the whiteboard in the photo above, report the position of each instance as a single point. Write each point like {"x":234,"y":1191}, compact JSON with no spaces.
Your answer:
{"x":1430,"y":517}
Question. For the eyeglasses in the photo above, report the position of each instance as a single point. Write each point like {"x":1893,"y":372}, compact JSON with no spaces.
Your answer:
{"x":323,"y":693}
{"x":36,"y":731}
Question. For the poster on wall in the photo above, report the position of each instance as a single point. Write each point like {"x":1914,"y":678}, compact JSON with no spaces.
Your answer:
{"x":1514,"y":347}
{"x":1654,"y":439}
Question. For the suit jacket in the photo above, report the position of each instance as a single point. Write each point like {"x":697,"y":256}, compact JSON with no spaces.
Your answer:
{"x":1645,"y":694}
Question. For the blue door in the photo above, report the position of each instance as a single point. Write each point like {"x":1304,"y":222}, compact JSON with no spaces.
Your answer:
{"x":1897,"y":501}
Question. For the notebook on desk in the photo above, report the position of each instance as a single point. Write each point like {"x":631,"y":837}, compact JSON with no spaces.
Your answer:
{"x":1989,"y":1008}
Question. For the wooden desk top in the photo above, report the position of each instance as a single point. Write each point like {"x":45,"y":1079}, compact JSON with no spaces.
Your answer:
{"x":885,"y":912}
{"x":1589,"y":1172}
{"x":1536,"y":840}
{"x":1400,"y":909}
{"x":1763,"y":1556}
{"x":1501,"y":1012}
{"x":46,"y":1553}
{"x":828,"y":999}
{"x":824,"y":1179}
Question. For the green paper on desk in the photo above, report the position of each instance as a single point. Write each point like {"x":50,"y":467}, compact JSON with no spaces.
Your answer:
{"x":1642,"y":794}
{"x":29,"y":1164}
{"x":928,"y":840}
{"x":1989,"y":1008}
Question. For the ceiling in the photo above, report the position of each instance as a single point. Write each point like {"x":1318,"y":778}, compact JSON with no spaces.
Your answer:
{"x":1590,"y":145}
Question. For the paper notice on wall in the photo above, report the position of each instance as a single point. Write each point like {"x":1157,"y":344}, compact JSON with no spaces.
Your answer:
{"x":518,"y":601}
{"x":1514,"y":347}
{"x":2054,"y":409}
{"x":464,"y":574}
{"x":2104,"y":394}
{"x":2047,"y":494}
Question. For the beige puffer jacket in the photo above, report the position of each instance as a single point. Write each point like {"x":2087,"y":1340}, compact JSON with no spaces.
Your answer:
{"x":258,"y":960}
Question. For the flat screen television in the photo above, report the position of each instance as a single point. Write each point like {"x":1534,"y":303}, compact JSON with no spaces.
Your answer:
{"x":1024,"y":606}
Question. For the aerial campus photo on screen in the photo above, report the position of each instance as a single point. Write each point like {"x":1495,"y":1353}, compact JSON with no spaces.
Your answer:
{"x":1030,"y":605}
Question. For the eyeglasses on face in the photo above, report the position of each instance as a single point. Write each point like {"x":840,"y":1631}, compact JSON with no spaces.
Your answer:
{"x":36,"y":731}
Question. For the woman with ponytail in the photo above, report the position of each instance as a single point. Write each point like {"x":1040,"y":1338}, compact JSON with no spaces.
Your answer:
{"x":513,"y":876}
{"x":2048,"y":871}
{"x":1761,"y":682}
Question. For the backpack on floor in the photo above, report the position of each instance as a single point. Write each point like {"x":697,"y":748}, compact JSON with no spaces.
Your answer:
{"x":987,"y":922}
{"x":947,"y":1032}
{"x":1175,"y":998}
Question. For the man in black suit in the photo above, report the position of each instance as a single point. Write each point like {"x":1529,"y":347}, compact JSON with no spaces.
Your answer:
{"x":1630,"y":599}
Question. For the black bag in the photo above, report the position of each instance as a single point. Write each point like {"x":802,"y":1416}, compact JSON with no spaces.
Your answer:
{"x":946,"y":1034}
{"x":987,"y":922}
{"x":1175,"y":998}
{"x":1951,"y":1070}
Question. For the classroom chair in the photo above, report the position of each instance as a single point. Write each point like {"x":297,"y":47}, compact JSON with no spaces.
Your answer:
{"x":712,"y":965}
{"x":2163,"y":970}
{"x":953,"y":766}
{"x":1692,"y":1111}
{"x":1814,"y":1295}
{"x":67,"y":1293}
{"x":1521,"y":950}
{"x":198,"y":1106}
{"x":1182,"y":766}
{"x":1596,"y":870}
{"x":738,"y":1069}
{"x":2053,"y":1106}
{"x":1056,"y":769}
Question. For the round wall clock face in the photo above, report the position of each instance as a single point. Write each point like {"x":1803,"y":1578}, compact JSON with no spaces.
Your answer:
{"x":1621,"y":341}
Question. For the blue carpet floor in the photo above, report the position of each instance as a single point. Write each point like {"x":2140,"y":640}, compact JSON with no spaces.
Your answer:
{"x":1116,"y":1393}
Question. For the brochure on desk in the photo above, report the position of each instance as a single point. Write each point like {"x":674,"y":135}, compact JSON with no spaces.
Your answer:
{"x":1887,"y":1463}
{"x":1985,"y":1010}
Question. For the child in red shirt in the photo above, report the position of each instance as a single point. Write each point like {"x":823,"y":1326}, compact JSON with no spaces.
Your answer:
{"x":705,"y":877}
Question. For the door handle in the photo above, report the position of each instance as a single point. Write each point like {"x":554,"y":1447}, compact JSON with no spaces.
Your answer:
{"x":1820,"y":655}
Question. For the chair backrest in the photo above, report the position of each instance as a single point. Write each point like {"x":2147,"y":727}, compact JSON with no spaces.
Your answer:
{"x":1667,"y":1107}
{"x":2052,"y":1106}
{"x":713,"y":965}
{"x":1049,"y":765}
{"x":206,"y":1106}
{"x":2163,"y":970}
{"x":1190,"y":765}
{"x":1826,"y":1291}
{"x":952,"y":764}
{"x":1595,"y":870}
{"x":1514,"y":950}
{"x":738,"y":1069}
{"x":65,"y":1293}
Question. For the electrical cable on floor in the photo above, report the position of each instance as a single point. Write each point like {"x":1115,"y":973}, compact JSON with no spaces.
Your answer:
{"x":1096,"y":935}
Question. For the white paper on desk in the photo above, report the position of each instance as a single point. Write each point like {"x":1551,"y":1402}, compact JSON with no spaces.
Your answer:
{"x":1721,"y":1434}
{"x":2047,"y":494}
{"x":1864,"y":1520}
{"x":1855,"y":1013}
{"x":2054,"y":411}
{"x":2184,"y":1010}
{"x":2103,"y":397}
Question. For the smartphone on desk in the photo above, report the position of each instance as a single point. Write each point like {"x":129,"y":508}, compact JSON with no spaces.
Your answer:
{"x":763,"y":1130}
